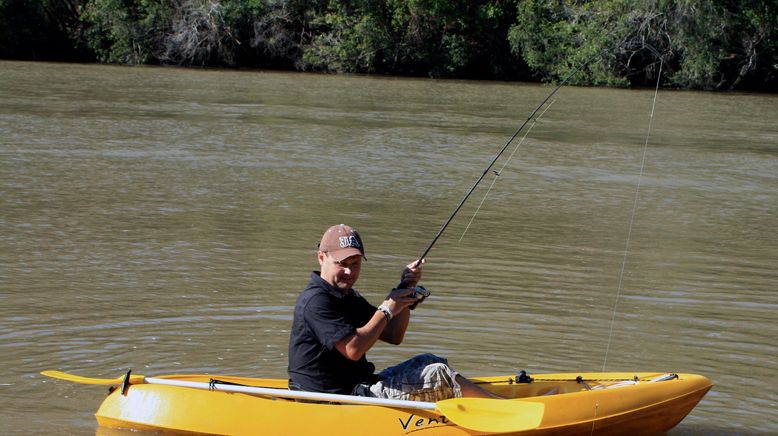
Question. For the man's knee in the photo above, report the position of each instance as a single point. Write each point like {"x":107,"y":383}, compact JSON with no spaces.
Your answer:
{"x":429,"y":359}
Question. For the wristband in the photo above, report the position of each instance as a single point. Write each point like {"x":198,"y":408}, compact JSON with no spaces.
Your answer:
{"x":386,"y":311}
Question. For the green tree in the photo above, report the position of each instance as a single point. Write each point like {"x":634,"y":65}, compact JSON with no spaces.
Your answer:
{"x":344,"y":40}
{"x":754,"y":43}
{"x":417,"y":37}
{"x":701,"y":43}
{"x":126,"y":31}
{"x":556,"y":37}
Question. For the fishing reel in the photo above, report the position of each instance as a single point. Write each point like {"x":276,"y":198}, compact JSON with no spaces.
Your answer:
{"x":420,"y":294}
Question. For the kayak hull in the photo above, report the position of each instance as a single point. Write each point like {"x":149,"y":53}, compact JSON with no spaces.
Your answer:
{"x":602,"y":404}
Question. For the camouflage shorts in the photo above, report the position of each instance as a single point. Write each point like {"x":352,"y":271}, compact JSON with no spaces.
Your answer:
{"x":425,"y":377}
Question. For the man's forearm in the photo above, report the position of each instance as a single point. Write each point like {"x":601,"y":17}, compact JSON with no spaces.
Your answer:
{"x":395,"y":331}
{"x":353,"y":347}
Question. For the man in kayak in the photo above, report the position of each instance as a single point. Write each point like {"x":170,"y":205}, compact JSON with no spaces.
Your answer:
{"x":334,"y":327}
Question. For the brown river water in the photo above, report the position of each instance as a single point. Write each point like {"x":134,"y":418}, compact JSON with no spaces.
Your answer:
{"x":165,"y":219}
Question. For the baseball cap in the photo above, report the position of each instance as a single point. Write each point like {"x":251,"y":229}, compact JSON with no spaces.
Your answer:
{"x":341,"y":241}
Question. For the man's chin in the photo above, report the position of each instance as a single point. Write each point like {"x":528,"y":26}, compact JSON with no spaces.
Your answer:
{"x":344,"y":286}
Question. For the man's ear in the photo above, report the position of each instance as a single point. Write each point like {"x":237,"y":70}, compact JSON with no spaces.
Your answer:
{"x":321,"y":256}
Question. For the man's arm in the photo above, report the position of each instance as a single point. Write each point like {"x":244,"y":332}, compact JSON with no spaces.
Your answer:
{"x":395,"y":331}
{"x":355,"y":345}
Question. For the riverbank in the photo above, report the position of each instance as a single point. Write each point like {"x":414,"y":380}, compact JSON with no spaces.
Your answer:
{"x":714,"y":46}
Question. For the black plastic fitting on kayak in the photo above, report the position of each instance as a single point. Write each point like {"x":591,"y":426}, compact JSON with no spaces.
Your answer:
{"x":126,"y":382}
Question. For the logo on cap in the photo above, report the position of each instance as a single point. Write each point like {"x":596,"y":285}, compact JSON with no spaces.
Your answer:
{"x":349,"y":241}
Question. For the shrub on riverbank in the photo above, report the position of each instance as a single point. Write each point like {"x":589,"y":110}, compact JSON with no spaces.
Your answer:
{"x":703,"y":44}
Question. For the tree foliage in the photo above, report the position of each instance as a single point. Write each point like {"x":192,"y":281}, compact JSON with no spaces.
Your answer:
{"x":125,"y":31}
{"x":450,"y":38}
{"x":707,"y":44}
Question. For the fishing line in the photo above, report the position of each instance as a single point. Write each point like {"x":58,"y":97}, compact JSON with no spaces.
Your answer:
{"x":502,"y":150}
{"x":505,"y":147}
{"x":632,"y":217}
{"x":497,"y":173}
{"x":496,"y":157}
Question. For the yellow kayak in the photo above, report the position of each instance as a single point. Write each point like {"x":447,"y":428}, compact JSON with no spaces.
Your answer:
{"x":572,"y":403}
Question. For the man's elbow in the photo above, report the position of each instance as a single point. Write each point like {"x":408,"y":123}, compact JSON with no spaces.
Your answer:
{"x":353,"y":355}
{"x":351,"y":352}
{"x":349,"y":348}
{"x":394,"y":339}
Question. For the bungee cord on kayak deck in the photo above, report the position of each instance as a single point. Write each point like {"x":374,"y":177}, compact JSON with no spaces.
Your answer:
{"x":632,"y":216}
{"x":523,"y":377}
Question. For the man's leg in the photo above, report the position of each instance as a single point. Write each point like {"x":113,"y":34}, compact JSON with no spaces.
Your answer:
{"x":470,"y":389}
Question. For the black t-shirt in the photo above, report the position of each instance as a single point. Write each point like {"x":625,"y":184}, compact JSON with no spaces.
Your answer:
{"x":322,"y":317}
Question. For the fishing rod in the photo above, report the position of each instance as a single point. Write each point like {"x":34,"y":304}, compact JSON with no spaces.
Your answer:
{"x":497,"y":157}
{"x":423,"y":292}
{"x":505,"y":164}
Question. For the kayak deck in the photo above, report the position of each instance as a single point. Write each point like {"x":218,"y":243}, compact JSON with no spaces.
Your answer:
{"x":575,"y":403}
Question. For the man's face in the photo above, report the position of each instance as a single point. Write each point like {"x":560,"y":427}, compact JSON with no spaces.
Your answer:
{"x":341,"y":274}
